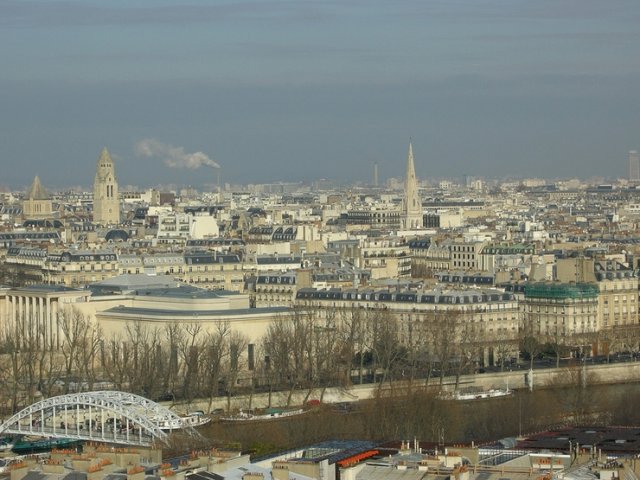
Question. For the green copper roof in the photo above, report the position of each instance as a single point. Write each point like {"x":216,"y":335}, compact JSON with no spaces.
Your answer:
{"x":561,"y":290}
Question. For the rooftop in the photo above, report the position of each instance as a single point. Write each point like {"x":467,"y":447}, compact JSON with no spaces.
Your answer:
{"x":561,"y":290}
{"x":625,"y":440}
{"x":195,"y":314}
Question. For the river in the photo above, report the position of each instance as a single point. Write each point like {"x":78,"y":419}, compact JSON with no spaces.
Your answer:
{"x":423,"y":415}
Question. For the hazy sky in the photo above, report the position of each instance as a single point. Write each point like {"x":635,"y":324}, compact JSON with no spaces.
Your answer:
{"x":294,"y":90}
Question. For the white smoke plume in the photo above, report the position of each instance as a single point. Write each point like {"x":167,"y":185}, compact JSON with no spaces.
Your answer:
{"x":174,"y":157}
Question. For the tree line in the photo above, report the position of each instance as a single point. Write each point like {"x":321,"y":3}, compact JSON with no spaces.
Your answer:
{"x":306,"y":350}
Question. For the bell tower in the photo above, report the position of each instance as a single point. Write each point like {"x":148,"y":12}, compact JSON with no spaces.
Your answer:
{"x":106,"y":205}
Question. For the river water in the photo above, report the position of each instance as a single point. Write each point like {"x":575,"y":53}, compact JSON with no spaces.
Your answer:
{"x":421,"y":414}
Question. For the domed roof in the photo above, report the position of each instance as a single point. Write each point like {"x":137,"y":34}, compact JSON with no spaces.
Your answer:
{"x":116,"y":235}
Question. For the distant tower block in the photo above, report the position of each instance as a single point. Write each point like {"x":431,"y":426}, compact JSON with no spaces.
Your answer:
{"x":411,"y":204}
{"x":106,"y":205}
{"x":375,"y":175}
{"x":634,"y":165}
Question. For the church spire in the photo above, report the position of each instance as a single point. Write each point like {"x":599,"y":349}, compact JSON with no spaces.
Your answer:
{"x":411,"y":204}
{"x":411,"y":169}
{"x":105,"y":157}
{"x":37,"y":191}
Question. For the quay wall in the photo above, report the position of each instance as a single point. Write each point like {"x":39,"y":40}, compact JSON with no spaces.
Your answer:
{"x":625,"y":372}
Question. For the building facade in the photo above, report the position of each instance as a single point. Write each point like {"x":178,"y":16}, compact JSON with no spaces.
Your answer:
{"x":487,"y":317}
{"x":558,"y":311}
{"x":35,"y":314}
{"x":617,"y":295}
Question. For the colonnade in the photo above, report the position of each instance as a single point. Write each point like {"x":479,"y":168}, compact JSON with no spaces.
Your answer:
{"x":33,"y":318}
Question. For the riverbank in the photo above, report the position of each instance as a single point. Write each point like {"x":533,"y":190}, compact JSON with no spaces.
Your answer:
{"x":615,"y":373}
{"x":420,"y":413}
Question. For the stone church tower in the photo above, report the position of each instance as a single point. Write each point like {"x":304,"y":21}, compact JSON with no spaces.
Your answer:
{"x":106,"y":204}
{"x":411,"y":204}
{"x":37,"y":204}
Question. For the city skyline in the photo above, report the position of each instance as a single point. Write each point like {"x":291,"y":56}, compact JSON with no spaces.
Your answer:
{"x":300,"y":90}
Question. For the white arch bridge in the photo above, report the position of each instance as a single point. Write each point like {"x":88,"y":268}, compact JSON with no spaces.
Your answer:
{"x":106,"y":416}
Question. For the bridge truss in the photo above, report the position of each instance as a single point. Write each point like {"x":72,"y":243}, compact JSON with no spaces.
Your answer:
{"x":106,"y":416}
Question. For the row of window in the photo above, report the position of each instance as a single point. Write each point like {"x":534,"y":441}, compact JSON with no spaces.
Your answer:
{"x":562,"y":310}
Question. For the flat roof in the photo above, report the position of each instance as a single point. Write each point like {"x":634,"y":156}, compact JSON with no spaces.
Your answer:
{"x":157,"y":312}
{"x":137,"y":281}
{"x":48,"y":289}
{"x":624,"y":440}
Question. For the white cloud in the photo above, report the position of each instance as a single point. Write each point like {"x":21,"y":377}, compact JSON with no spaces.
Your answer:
{"x":174,"y":157}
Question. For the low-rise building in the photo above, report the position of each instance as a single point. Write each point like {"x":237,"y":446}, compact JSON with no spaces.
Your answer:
{"x":488,"y":315}
{"x":558,"y":310}
{"x":274,"y":289}
{"x":214,"y":270}
{"x":386,"y":257}
{"x":428,"y":257}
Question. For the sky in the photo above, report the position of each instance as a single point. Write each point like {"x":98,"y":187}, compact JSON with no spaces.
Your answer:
{"x":298,"y":90}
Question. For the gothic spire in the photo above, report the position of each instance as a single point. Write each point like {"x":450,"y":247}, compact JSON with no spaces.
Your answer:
{"x":411,"y":205}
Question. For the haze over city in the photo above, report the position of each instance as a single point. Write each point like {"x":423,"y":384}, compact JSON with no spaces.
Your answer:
{"x":276,"y":90}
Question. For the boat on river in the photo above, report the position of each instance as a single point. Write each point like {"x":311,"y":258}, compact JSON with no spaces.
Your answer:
{"x":493,"y":393}
{"x":268,"y":414}
{"x":190,"y":420}
{"x":475,"y":393}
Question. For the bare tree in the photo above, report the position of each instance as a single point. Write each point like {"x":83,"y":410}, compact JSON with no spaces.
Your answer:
{"x":469,"y":342}
{"x":529,"y":340}
{"x":556,"y":343}
{"x":32,"y":356}
{"x":215,"y":350}
{"x":287,"y":345}
{"x":114,"y":360}
{"x":385,"y":346}
{"x":11,"y":366}
{"x":137,"y":341}
{"x":442,"y":334}
{"x":191,"y":350}
{"x":302,"y":323}
{"x":173,"y":334}
{"x":418,"y":349}
{"x":351,"y":331}
{"x":79,"y":344}
{"x":277,"y":359}
{"x":630,"y":335}
{"x":257,"y":371}
{"x":329,"y":358}
{"x":237,"y":344}
{"x":147,"y":361}
{"x":504,"y":346}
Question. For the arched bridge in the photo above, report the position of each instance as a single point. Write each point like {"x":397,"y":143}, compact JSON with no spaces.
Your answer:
{"x":107,"y":416}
